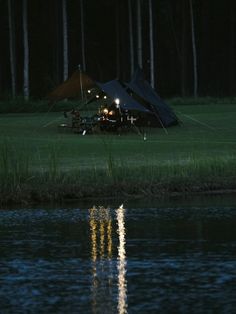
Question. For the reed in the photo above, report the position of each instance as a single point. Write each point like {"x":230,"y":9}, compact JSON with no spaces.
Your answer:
{"x":19,"y":182}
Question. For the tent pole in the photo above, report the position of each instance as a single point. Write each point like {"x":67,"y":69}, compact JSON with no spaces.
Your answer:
{"x":137,"y":129}
{"x":162,"y":125}
{"x":81,"y":88}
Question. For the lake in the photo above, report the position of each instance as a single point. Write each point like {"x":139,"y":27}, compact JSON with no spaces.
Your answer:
{"x":147,"y":256}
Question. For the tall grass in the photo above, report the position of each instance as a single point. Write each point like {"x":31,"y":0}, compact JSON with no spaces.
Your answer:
{"x":14,"y":164}
{"x":20,"y":182}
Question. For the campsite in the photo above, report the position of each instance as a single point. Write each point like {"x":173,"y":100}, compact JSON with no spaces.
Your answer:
{"x":116,"y":139}
{"x":40,"y":162}
{"x":117,"y":156}
{"x":96,"y":99}
{"x":118,"y":105}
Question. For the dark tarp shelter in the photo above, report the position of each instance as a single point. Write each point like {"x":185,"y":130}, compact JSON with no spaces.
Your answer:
{"x":142,"y":89}
{"x":115,"y":90}
{"x":137,"y":96}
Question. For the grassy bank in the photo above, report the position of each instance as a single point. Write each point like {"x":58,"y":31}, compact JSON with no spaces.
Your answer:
{"x":38,"y":162}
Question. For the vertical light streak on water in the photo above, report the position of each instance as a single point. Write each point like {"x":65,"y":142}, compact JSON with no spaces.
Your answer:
{"x":121,"y":265}
{"x":109,"y":237}
{"x":93,"y":231}
{"x":109,"y":248}
{"x":102,"y":230}
{"x":101,"y":249}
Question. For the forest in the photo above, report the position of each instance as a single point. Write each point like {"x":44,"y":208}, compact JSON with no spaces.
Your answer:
{"x":185,"y":47}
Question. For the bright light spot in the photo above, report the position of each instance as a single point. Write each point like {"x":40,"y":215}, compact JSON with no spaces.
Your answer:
{"x":89,"y":91}
{"x":105,"y":97}
{"x":117,"y":101}
{"x":105,"y":111}
{"x":97,"y":96}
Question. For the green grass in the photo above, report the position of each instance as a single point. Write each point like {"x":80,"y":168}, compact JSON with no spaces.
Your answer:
{"x":40,"y":162}
{"x":20,"y":105}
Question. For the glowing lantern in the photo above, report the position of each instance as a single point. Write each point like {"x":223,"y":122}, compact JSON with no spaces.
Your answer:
{"x":117,"y":101}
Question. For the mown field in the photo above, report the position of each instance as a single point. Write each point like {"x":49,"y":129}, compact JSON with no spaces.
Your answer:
{"x":40,"y":162}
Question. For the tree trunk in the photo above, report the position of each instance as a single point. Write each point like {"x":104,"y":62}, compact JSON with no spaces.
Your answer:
{"x":65,"y":40}
{"x":26,"y":51}
{"x":131,"y":38}
{"x":82,"y":33}
{"x":139,"y":31}
{"x":232,"y":50}
{"x":117,"y":41}
{"x":12,"y":47}
{"x":195,"y":70}
{"x":57,"y":52}
{"x":183,"y":51}
{"x":151,"y":44}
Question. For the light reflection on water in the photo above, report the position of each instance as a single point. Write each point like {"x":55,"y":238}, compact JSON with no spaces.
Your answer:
{"x":101,"y":249}
{"x":121,"y":265}
{"x":116,"y":260}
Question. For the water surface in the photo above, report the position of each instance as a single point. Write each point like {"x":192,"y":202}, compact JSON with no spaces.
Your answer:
{"x":172,"y":257}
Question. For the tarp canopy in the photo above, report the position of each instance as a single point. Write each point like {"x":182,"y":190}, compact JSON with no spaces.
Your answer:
{"x":73,"y":87}
{"x":116,"y":91}
{"x":142,"y":88}
{"x":137,"y":95}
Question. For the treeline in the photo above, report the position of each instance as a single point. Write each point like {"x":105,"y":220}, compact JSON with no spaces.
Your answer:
{"x":185,"y":47}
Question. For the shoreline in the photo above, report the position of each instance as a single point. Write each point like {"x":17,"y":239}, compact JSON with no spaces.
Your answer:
{"x":72,"y":194}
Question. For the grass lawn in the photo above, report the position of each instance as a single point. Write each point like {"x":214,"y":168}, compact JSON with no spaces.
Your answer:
{"x":203,"y":146}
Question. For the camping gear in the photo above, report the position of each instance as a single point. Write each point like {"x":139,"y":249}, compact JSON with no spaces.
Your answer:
{"x":133,"y":104}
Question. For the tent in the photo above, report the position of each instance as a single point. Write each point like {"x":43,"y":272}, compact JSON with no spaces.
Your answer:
{"x":141,"y":89}
{"x":139,"y":96}
{"x":136,"y":99}
{"x":115,"y":91}
{"x":73,"y":88}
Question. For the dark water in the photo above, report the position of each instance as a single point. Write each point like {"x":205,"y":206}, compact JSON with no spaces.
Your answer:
{"x":173,"y":257}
